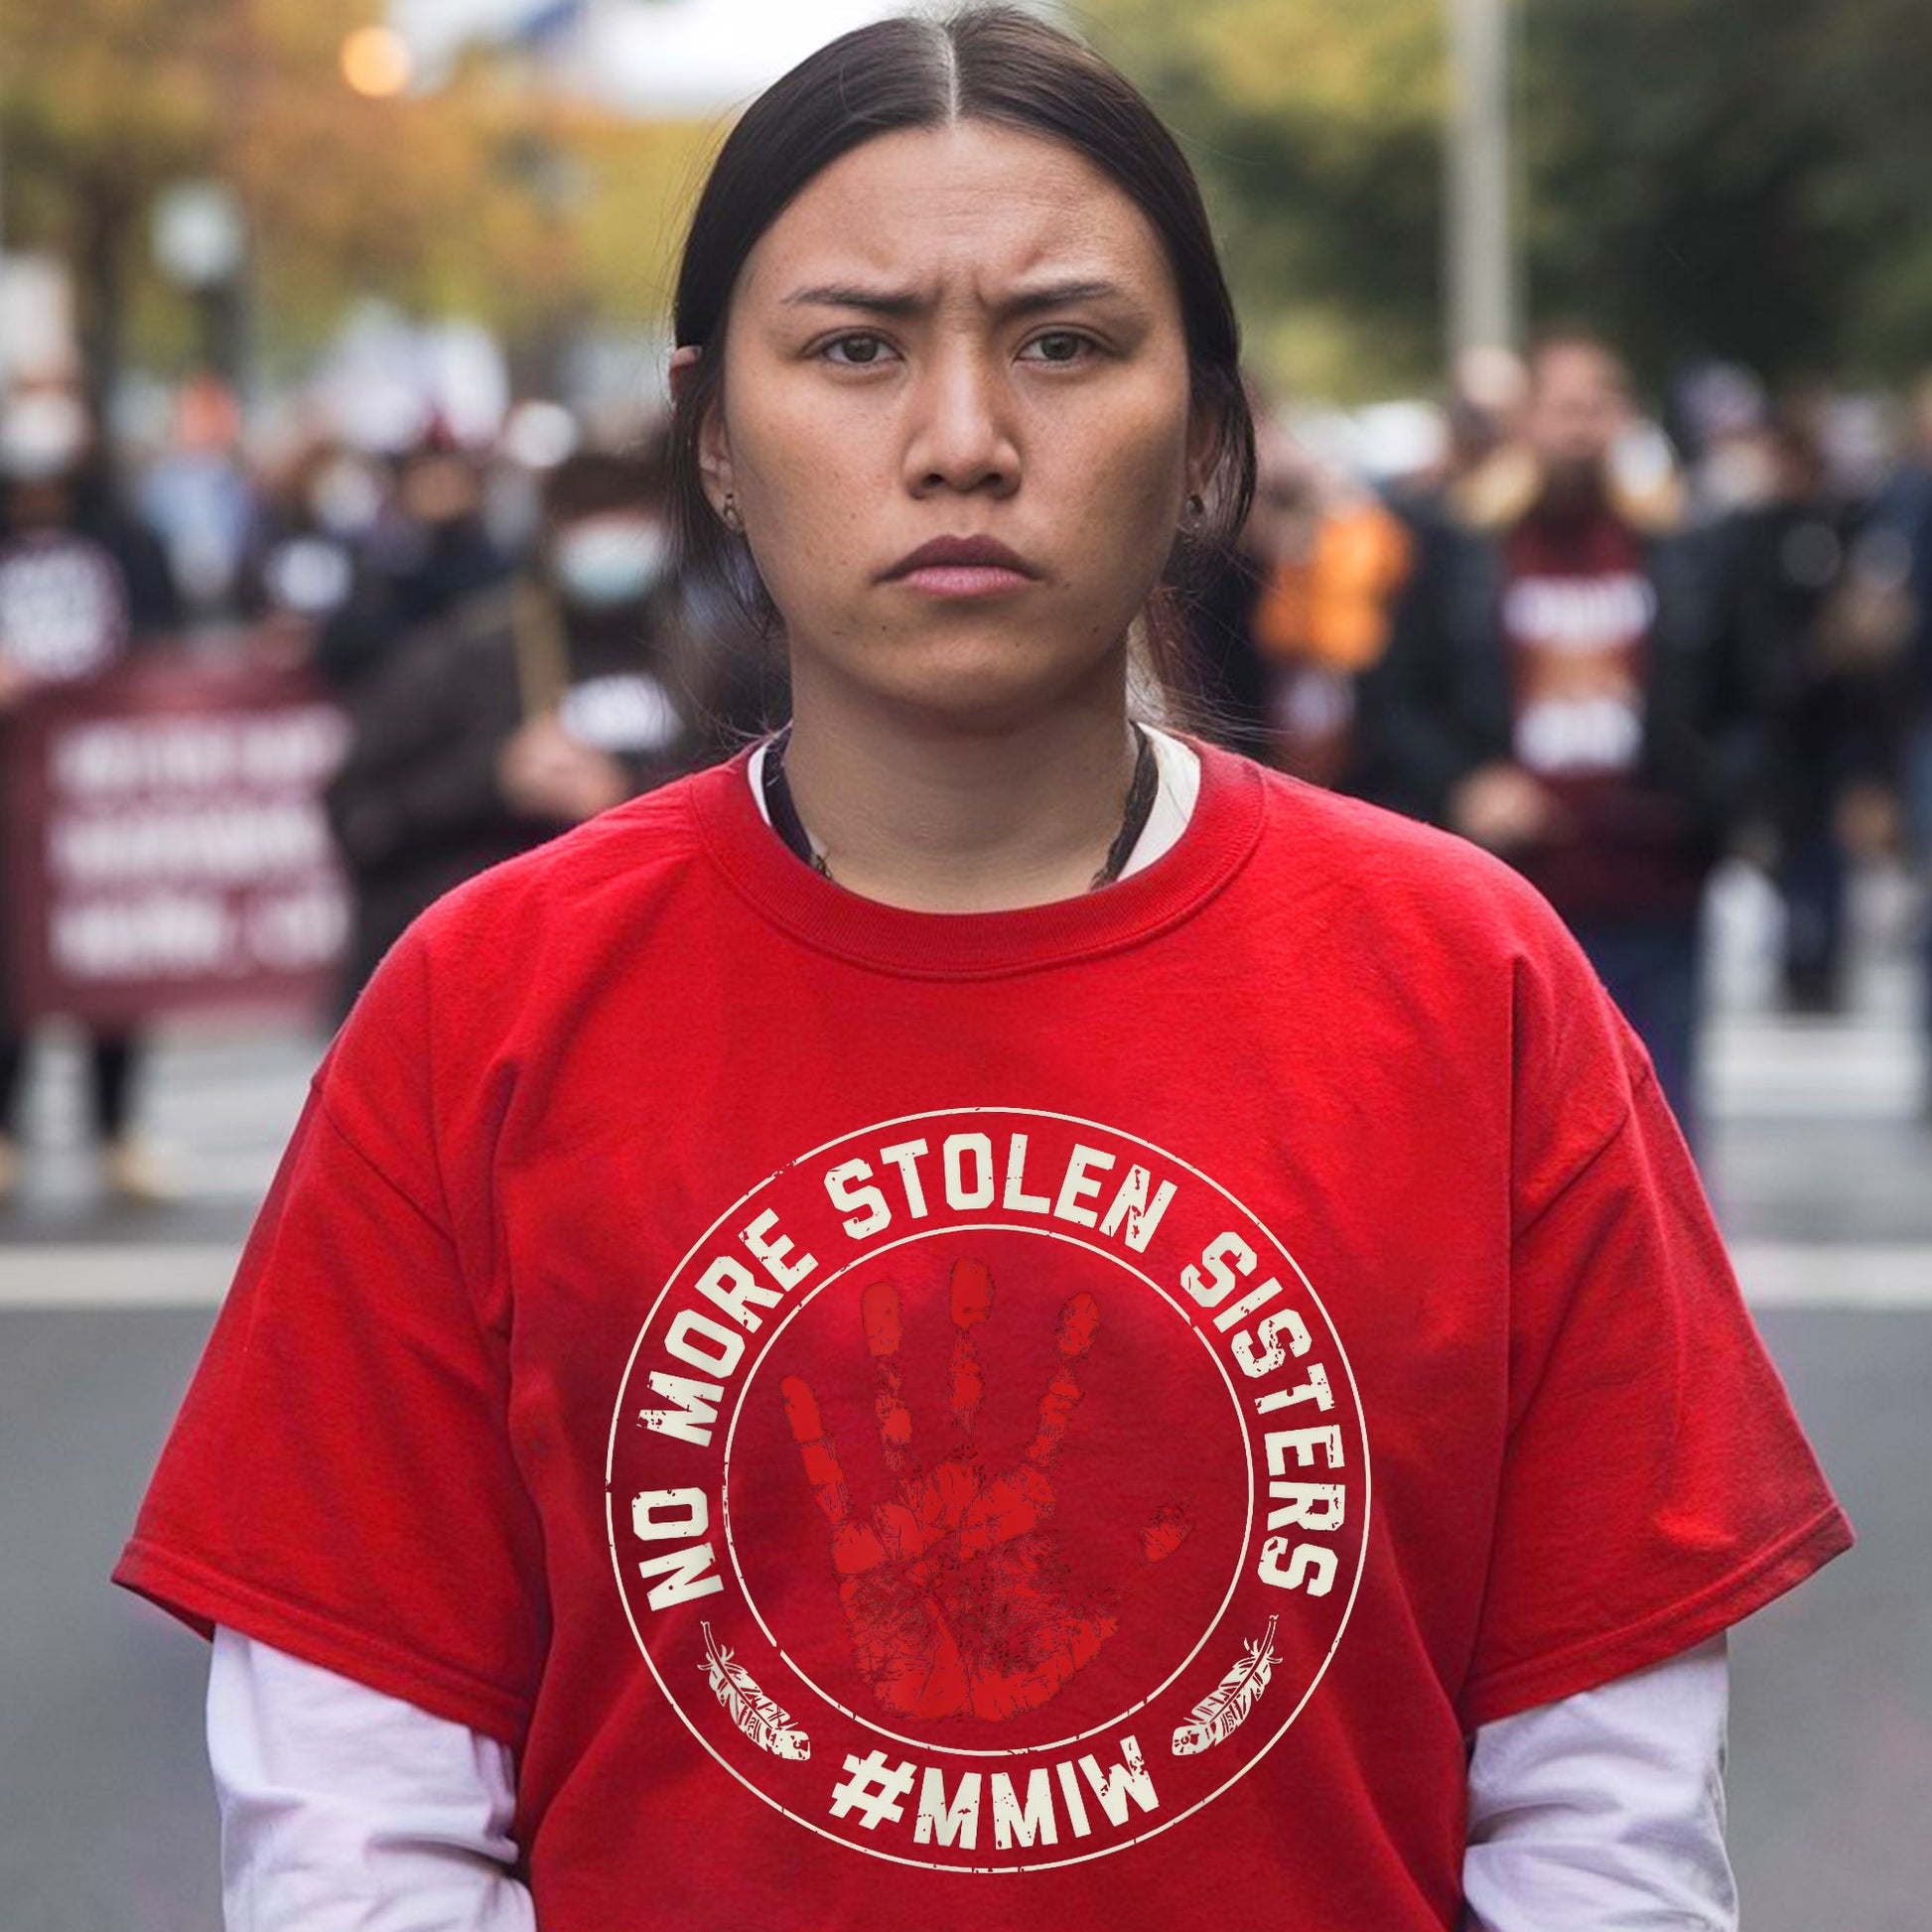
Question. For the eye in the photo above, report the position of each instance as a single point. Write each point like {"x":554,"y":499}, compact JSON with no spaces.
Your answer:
{"x":859,"y":351}
{"x":1063,"y":347}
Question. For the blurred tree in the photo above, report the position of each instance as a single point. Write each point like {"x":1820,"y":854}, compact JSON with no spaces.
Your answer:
{"x":1721,"y":177}
{"x":98,"y":105}
{"x":1696,"y":176}
{"x":1317,"y":133}
{"x":487,"y":196}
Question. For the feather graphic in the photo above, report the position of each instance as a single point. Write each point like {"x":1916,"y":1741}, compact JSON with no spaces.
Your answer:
{"x":762,"y":1720}
{"x":1225,"y":1709}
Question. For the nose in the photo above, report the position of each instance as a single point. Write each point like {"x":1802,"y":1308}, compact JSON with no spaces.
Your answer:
{"x":961,"y":433}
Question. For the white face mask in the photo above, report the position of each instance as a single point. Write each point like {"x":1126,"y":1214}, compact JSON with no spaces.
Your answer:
{"x":605,"y":562}
{"x":43,"y":436}
{"x":344,"y":498}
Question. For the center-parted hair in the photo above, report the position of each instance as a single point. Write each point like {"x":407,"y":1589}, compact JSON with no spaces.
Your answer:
{"x":1003,"y":68}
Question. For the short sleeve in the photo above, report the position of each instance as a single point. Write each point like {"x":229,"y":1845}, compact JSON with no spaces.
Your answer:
{"x":340,"y":1482}
{"x":1656,"y":1487}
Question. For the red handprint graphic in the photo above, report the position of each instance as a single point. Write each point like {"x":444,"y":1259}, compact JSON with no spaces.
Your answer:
{"x":956,"y":1598}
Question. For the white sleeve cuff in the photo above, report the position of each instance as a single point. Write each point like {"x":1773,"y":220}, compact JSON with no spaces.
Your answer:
{"x":344,"y":1810}
{"x":1606,"y":1809}
{"x":342,"y":1807}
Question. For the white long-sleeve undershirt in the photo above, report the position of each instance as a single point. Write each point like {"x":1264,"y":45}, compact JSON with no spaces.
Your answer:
{"x":345,"y":1810}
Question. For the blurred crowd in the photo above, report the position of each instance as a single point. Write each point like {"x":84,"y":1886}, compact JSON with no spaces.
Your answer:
{"x":497,"y":620}
{"x":1612,"y":648}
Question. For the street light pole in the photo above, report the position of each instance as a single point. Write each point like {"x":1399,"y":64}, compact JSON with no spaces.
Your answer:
{"x":1480,"y":254}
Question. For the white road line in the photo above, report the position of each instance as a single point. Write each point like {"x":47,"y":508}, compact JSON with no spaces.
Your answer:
{"x":228,"y":1174}
{"x":1834,"y":1274}
{"x":111,"y":1275}
{"x":1774,"y":1275}
{"x":1776,"y":1070}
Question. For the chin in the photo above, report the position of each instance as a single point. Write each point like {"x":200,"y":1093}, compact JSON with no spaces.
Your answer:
{"x":985,"y":682}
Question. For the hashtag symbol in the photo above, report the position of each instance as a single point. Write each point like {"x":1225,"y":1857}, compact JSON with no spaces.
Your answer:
{"x":874,"y":1788}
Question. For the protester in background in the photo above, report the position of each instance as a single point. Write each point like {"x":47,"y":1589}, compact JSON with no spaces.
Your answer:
{"x":199,"y":498}
{"x":305,"y":568}
{"x":1301,"y":609}
{"x":1721,"y":420}
{"x":1901,"y":529}
{"x":1323,"y":615}
{"x":1558,"y":689}
{"x":80,"y":583}
{"x":532,"y":707}
{"x":1822,"y":620}
{"x":1488,"y":391}
{"x":427,"y":552}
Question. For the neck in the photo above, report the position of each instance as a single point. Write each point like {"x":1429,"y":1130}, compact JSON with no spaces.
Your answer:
{"x":940,"y":814}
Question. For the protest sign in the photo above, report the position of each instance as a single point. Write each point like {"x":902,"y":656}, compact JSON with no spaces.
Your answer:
{"x":165,"y":845}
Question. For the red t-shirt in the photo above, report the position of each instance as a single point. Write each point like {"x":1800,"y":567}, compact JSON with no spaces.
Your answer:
{"x":871,"y":1403}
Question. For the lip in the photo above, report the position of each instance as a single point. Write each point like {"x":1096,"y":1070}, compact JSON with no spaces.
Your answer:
{"x":962,"y":567}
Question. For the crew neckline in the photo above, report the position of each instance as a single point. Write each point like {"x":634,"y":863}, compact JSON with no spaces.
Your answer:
{"x":1219,"y":834}
{"x":1177,"y":786}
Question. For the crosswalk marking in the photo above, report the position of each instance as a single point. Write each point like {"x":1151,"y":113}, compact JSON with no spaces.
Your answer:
{"x":230,"y":1116}
{"x":119,"y":1275}
{"x":1834,"y":1274}
{"x":1766,"y":1069}
{"x":116,"y":1275}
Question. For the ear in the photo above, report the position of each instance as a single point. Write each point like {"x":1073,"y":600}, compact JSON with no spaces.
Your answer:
{"x":1204,"y":439}
{"x":714,"y":445}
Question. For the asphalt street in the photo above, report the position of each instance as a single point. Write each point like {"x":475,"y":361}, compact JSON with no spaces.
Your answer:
{"x":1816,"y":1156}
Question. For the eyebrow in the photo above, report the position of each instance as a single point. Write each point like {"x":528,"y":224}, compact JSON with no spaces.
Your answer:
{"x":894,"y":301}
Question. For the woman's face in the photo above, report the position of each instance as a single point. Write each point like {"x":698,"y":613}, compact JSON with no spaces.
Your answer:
{"x":958,"y":333}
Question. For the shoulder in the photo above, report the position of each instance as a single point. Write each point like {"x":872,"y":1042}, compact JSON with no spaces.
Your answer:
{"x":607,"y":873}
{"x":1442,"y":946}
{"x":1396,"y":879}
{"x":509,"y":955}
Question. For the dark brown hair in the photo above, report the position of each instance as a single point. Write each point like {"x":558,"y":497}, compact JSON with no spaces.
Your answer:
{"x":1002,"y":67}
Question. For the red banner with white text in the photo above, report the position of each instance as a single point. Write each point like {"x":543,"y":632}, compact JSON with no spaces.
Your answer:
{"x":163,"y":844}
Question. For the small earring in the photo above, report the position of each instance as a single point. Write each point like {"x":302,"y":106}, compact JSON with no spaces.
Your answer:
{"x":1196,"y":506}
{"x":731,"y":520}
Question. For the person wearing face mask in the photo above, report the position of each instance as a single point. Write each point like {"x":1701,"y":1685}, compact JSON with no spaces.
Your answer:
{"x":82,"y":582}
{"x":307,"y":574}
{"x":534,"y":707}
{"x":419,"y":545}
{"x":815,"y":1359}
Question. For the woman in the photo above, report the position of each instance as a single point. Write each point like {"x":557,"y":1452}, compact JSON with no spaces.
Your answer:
{"x":978,"y":1183}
